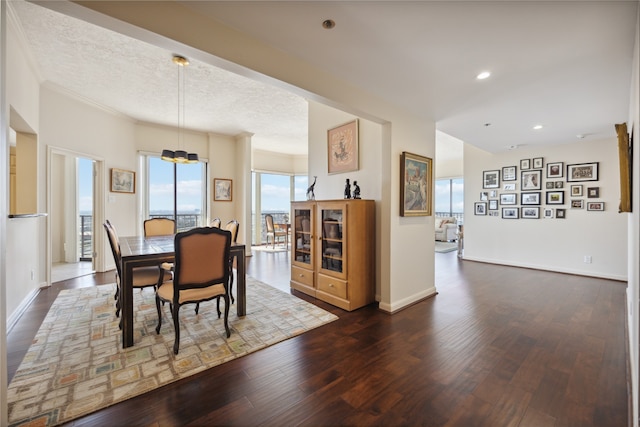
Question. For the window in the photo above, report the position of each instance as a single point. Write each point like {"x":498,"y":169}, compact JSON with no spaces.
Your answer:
{"x":191,"y":181}
{"x":273,"y":194}
{"x":450,"y":198}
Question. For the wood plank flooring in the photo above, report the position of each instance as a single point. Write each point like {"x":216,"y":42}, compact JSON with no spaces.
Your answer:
{"x":498,"y":346}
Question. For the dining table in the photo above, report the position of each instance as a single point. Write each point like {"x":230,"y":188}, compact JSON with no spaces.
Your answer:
{"x":141,"y":251}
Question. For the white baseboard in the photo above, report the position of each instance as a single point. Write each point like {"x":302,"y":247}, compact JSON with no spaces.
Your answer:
{"x":405,"y":302}
{"x":19,"y":311}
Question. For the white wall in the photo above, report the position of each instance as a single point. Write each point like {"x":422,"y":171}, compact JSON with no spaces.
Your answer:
{"x":266,"y":161}
{"x":550,"y":244}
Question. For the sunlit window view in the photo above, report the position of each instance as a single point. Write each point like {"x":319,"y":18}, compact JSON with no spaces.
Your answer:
{"x":450,"y":198}
{"x":273,"y":195}
{"x":191,"y":192}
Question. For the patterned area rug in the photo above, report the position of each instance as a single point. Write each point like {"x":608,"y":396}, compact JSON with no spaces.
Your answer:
{"x":76,"y":364}
{"x":444,"y":247}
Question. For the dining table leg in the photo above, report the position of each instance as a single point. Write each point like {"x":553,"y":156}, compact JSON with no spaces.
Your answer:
{"x":239,"y":254}
{"x":126,"y":304}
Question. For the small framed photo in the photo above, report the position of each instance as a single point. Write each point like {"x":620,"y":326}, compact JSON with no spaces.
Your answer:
{"x":559,"y":184}
{"x":582,"y":172}
{"x":484,"y":196}
{"x":529,"y":199}
{"x":531,"y":180}
{"x":593,"y":192}
{"x":480,"y":208}
{"x":555,"y":197}
{"x":530,"y":212}
{"x":508,"y":199}
{"x":342,"y":148}
{"x":510,"y":213}
{"x":494,"y":213}
{"x":576,"y":190}
{"x":493,"y":205}
{"x":491,"y":179}
{"x":595,"y":206}
{"x":555,"y":170}
{"x":561,"y":213}
{"x":525,"y":164}
{"x":577,"y":204}
{"x":493,"y":194}
{"x":550,"y":185}
{"x":509,"y":173}
{"x":537,"y":164}
{"x":509,"y":187}
{"x":222,"y":190}
{"x":548,"y":213}
{"x":123,"y":181}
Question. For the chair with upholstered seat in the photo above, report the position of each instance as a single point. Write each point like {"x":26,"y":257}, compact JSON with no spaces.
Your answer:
{"x":201,"y":273}
{"x":159,"y":227}
{"x":215,"y":222}
{"x":142,"y":276}
{"x":274,"y":233}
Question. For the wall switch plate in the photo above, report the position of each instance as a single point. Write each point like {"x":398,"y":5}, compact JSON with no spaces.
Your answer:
{"x":587,"y":259}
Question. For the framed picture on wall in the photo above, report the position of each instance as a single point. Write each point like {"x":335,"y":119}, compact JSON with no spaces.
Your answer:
{"x":123,"y":181}
{"x":480,"y":208}
{"x":416,"y":179}
{"x":530,"y":212}
{"x":555,"y":197}
{"x":582,"y":172}
{"x":509,"y":173}
{"x":491,"y":179}
{"x":222,"y":190}
{"x":531,"y":180}
{"x":510,"y":213}
{"x":342,"y":148}
{"x":555,"y":170}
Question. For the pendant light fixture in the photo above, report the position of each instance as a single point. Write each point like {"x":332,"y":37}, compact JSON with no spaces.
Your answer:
{"x":180,"y":156}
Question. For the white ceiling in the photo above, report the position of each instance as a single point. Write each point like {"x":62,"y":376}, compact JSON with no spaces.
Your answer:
{"x":565,"y":65}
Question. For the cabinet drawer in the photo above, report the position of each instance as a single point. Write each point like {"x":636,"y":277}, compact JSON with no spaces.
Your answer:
{"x":301,"y":275}
{"x":332,"y":286}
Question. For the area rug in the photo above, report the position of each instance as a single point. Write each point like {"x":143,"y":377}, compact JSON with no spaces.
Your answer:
{"x":269,"y":248}
{"x":76,"y":364}
{"x":444,"y":247}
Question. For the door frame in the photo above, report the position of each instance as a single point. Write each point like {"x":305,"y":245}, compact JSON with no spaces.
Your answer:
{"x":99,"y":262}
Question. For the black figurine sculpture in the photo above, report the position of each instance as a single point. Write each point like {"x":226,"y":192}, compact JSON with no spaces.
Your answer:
{"x":310,"y":194}
{"x":347,"y":190}
{"x":356,"y":190}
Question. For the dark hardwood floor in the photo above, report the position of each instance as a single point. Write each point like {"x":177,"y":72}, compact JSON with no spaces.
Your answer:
{"x":498,"y":346}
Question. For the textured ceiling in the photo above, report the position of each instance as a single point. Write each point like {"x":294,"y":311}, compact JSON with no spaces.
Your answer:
{"x":141,"y":81}
{"x":565,"y":65}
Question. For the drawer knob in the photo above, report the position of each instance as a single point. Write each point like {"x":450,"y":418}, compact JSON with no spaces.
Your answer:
{"x":331,"y":285}
{"x":301,"y":275}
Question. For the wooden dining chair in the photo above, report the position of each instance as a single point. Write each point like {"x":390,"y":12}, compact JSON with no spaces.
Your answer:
{"x":201,"y":273}
{"x":274,"y":233}
{"x":215,"y":222}
{"x":159,"y":227}
{"x":142,"y":276}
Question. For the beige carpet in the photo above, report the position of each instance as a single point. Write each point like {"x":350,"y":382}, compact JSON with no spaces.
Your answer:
{"x":76,"y":364}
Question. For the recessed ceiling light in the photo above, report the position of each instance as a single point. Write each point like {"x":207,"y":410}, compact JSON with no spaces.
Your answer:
{"x":483,"y":75}
{"x":328,"y":24}
{"x":487,"y":125}
{"x":537,"y":127}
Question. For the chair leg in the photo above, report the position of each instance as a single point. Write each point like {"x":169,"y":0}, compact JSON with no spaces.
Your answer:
{"x":226,"y":315}
{"x":197,"y":307}
{"x":230,"y":283}
{"x":218,"y":307}
{"x":159,"y":315}
{"x":176,"y":327}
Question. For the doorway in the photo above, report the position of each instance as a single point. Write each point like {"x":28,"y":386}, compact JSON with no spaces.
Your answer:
{"x":72,"y":208}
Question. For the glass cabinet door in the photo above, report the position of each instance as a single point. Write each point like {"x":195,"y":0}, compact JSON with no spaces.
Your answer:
{"x":332,"y":234}
{"x":302,"y":244}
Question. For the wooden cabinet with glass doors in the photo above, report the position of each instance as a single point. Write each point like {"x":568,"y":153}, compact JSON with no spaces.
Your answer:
{"x":333,"y":251}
